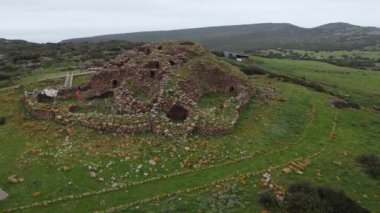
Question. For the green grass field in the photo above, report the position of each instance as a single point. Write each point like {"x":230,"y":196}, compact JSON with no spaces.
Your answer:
{"x":319,"y":55}
{"x":363,"y":59}
{"x":75,"y":169}
{"x":359,"y":85}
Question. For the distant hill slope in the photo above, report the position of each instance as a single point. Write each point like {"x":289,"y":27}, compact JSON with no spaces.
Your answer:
{"x":335,"y":36}
{"x":18,"y":57}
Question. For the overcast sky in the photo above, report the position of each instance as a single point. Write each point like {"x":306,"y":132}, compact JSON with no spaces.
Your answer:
{"x":54,"y":20}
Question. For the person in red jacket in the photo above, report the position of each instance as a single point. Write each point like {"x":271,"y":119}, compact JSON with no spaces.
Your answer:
{"x":78,"y":95}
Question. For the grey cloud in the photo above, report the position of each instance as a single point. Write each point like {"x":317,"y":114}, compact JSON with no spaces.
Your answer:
{"x":52,"y":21}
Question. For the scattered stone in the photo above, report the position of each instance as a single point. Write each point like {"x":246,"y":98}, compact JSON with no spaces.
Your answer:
{"x":152,"y":162}
{"x":286,"y":170}
{"x":92,"y":174}
{"x":13,"y":179}
{"x":36,"y":194}
{"x":65,"y":168}
{"x":3,"y":195}
{"x":376,"y":108}
{"x":20,"y":180}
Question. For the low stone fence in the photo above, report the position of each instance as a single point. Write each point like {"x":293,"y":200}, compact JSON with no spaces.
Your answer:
{"x":112,"y":123}
{"x":214,"y":130}
{"x":40,"y":111}
{"x":152,"y":121}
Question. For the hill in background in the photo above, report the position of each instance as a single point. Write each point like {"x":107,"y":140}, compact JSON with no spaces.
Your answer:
{"x":18,"y":57}
{"x":334,"y":36}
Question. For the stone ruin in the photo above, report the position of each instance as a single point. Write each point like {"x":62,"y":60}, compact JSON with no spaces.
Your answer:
{"x":156,"y":88}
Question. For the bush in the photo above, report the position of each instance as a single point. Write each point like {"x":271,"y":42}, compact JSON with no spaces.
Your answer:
{"x":268,"y":199}
{"x":304,"y":197}
{"x":2,"y":121}
{"x":371,"y":164}
{"x":253,"y":70}
{"x":344,"y":104}
{"x":339,"y":202}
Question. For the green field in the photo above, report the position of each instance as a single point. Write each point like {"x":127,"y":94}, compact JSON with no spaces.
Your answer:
{"x":319,"y":55}
{"x":358,"y":85}
{"x":75,"y":169}
{"x":363,"y":59}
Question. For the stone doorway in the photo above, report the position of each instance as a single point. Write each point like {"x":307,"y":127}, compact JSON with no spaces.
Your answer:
{"x":177,"y":113}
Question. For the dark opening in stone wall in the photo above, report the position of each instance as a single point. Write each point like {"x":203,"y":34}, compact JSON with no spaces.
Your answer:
{"x":114,"y":83}
{"x":42,"y":98}
{"x":152,"y":65}
{"x":145,"y":50}
{"x":177,"y":113}
{"x":74,"y":108}
{"x":152,"y":73}
{"x":101,"y":95}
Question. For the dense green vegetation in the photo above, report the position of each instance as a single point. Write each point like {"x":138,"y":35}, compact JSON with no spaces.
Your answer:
{"x":336,"y":36}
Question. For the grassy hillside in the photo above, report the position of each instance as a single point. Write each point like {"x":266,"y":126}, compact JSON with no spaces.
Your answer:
{"x":75,"y":169}
{"x":363,"y":59}
{"x":357,"y":85}
{"x":20,"y":58}
{"x":337,"y":36}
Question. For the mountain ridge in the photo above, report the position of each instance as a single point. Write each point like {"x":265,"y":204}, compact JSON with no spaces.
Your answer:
{"x":332,"y":36}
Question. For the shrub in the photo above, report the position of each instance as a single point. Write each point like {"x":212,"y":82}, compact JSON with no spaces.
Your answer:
{"x":339,"y":202}
{"x":268,"y":199}
{"x":371,"y":164}
{"x":304,"y":197}
{"x":253,"y":70}
{"x":344,"y":104}
{"x":2,"y":121}
{"x":4,"y":76}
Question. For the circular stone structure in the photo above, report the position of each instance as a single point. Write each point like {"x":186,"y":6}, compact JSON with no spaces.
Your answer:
{"x":156,"y":88}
